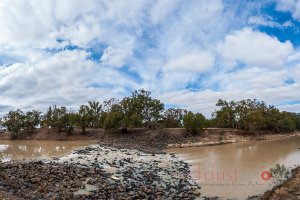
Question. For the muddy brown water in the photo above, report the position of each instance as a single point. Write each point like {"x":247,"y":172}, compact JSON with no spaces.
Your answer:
{"x":35,"y":149}
{"x":239,"y":170}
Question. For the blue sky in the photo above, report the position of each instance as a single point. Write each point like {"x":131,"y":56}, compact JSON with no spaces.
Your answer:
{"x":188,"y":53}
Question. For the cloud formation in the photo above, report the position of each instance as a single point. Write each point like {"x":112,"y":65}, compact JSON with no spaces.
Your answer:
{"x":188,"y":54}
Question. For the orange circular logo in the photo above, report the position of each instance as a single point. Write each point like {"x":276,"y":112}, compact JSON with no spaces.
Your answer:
{"x":265,"y":175}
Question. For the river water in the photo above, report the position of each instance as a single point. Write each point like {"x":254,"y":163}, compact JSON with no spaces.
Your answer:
{"x":36,"y":149}
{"x":239,"y":170}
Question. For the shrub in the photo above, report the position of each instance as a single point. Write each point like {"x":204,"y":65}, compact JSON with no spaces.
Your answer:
{"x":193,"y":123}
{"x":113,"y":121}
{"x":279,"y":173}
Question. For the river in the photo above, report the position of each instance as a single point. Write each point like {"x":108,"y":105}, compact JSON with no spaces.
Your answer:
{"x":239,"y":170}
{"x":36,"y":149}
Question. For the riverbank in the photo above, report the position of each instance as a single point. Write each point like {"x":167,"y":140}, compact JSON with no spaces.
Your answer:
{"x":289,"y":189}
{"x":233,"y":136}
{"x":155,"y":141}
{"x":99,"y":172}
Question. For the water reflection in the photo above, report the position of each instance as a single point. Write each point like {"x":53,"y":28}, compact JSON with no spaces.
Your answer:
{"x":29,"y":150}
{"x":234,"y":170}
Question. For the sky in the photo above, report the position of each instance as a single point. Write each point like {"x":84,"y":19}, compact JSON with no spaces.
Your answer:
{"x":188,"y":53}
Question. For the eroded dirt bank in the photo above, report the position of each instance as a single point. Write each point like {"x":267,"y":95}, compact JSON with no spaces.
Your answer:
{"x":156,"y":140}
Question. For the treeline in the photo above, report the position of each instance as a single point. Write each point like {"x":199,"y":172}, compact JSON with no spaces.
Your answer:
{"x":141,"y":110}
{"x":254,"y":115}
{"x":135,"y":111}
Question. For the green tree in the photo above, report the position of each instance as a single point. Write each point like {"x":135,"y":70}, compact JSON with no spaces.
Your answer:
{"x":286,"y":122}
{"x":83,"y":118}
{"x":32,"y":119}
{"x":14,"y":121}
{"x":17,"y":122}
{"x":113,"y":121}
{"x":172,"y":118}
{"x":193,"y":123}
{"x":60,"y":118}
{"x":148,"y":108}
{"x":112,"y":104}
{"x":95,"y":111}
{"x":226,"y":116}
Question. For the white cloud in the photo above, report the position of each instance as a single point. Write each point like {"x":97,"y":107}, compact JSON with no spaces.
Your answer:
{"x":66,"y":78}
{"x":292,"y":6}
{"x":268,"y":21}
{"x":255,"y":48}
{"x":192,"y":62}
{"x":166,"y":46}
{"x":115,"y":57}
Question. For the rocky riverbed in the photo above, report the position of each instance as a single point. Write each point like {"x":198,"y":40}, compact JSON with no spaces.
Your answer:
{"x":99,"y":172}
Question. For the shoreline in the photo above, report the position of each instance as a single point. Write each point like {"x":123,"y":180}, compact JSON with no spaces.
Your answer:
{"x":155,"y":141}
{"x":267,"y":137}
{"x":289,"y":189}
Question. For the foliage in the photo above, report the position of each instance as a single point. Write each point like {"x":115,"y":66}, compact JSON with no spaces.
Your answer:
{"x":148,"y":108}
{"x":14,"y":121}
{"x":83,"y":118}
{"x":141,"y":110}
{"x":18,"y":122}
{"x":172,"y":118}
{"x":279,"y":173}
{"x":193,"y":123}
{"x":113,"y":121}
{"x":60,"y":118}
{"x":254,"y":115}
{"x":94,"y":109}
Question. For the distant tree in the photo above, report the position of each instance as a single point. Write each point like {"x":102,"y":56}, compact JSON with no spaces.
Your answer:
{"x":254,"y":115}
{"x":148,"y":108}
{"x":32,"y":119}
{"x":14,"y":121}
{"x":194,"y":123}
{"x":226,"y":116}
{"x":18,"y":122}
{"x":172,"y":118}
{"x":113,"y":121}
{"x":112,"y":104}
{"x":286,"y":123}
{"x":95,"y":111}
{"x":83,"y":118}
{"x":60,"y":118}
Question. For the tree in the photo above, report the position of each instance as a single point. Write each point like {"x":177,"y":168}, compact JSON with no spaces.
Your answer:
{"x":95,"y":111}
{"x":113,"y":121}
{"x":32,"y":119}
{"x":226,"y":116}
{"x":193,"y":123}
{"x":14,"y":121}
{"x":60,"y":119}
{"x":83,"y":118}
{"x":148,"y":108}
{"x":112,"y":104}
{"x":18,"y":122}
{"x":286,"y":122}
{"x":172,"y":118}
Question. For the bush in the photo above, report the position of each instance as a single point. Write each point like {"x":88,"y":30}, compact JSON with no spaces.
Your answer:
{"x":286,"y":124}
{"x":193,"y":123}
{"x":279,"y":173}
{"x":113,"y":121}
